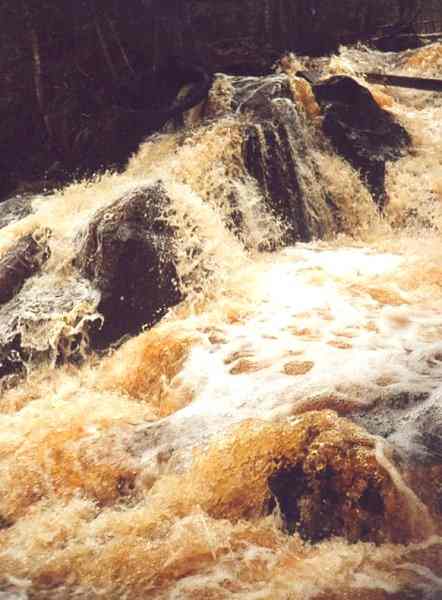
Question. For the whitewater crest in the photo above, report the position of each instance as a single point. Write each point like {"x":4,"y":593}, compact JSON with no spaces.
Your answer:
{"x":271,"y":428}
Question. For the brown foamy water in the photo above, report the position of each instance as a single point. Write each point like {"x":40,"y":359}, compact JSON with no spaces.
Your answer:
{"x":148,"y":473}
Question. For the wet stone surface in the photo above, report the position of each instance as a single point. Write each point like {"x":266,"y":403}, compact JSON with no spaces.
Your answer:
{"x":128,"y":254}
{"x":360,"y":131}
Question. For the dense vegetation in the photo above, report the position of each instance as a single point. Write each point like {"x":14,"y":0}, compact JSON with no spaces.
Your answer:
{"x":83,"y":82}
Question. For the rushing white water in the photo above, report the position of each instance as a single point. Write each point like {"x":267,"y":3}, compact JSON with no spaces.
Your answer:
{"x":144,"y":474}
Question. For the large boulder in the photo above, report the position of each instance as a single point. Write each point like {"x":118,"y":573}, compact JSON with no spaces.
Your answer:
{"x":320,"y":473}
{"x":360,"y":131}
{"x":411,"y":420}
{"x":411,"y":423}
{"x":129,"y":255}
{"x":279,"y":156}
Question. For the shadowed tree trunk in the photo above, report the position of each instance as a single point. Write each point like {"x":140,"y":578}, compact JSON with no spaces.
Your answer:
{"x":37,"y":68}
{"x":429,"y":20}
{"x":81,"y":60}
{"x":253,"y":33}
{"x":100,"y":21}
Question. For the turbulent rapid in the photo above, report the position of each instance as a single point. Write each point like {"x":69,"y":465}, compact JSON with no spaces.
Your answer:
{"x":276,"y":434}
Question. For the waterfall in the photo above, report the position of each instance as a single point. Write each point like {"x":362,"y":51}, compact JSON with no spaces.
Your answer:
{"x":271,"y":431}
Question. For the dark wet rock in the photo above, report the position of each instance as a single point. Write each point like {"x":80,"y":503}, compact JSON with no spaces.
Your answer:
{"x":398,"y":43}
{"x":360,"y":131}
{"x":429,"y":428}
{"x":253,"y":95}
{"x":22,"y":261}
{"x":135,"y":115}
{"x":4,"y":523}
{"x":415,"y":434}
{"x":128,"y":254}
{"x":317,"y":505}
{"x":46,"y":320}
{"x":277,"y":154}
{"x":410,"y":420}
{"x":318,"y":472}
{"x":404,"y":399}
{"x":419,"y":431}
{"x":12,"y":362}
{"x":15,"y":208}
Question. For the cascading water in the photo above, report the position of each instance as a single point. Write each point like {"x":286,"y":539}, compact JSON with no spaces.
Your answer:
{"x":277,"y":434}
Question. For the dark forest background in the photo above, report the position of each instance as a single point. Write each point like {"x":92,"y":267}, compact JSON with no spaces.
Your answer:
{"x":83,"y":82}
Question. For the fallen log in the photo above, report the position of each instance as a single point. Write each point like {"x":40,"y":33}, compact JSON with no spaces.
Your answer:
{"x":416,"y":83}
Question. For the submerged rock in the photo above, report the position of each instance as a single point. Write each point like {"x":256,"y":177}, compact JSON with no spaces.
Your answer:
{"x":322,"y":473}
{"x":17,"y":265}
{"x":128,"y":254}
{"x":47,"y":320}
{"x":411,"y":421}
{"x":14,"y":208}
{"x":22,"y":261}
{"x":360,"y":131}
